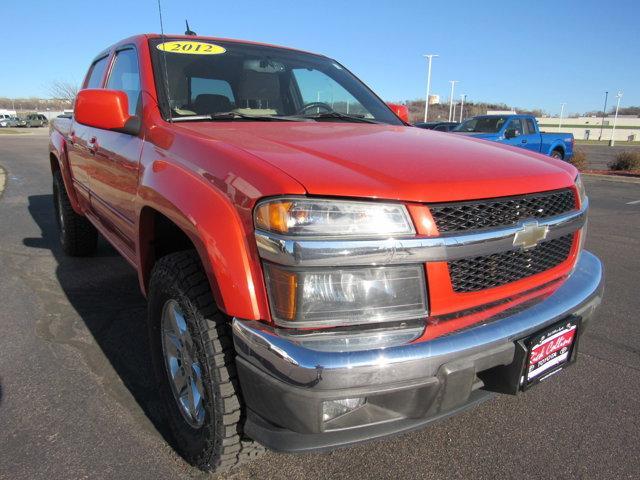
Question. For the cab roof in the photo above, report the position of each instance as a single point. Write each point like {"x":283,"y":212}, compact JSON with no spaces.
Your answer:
{"x":149,"y":36}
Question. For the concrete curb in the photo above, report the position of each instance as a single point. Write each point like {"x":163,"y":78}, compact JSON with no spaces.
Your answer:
{"x":612,"y":178}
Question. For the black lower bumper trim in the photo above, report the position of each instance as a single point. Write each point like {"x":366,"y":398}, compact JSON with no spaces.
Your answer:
{"x":284,"y":440}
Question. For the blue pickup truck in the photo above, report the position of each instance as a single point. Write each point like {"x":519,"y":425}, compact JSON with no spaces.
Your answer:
{"x":519,"y":131}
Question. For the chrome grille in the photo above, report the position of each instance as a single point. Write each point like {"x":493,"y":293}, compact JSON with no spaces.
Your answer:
{"x":501,"y":212}
{"x":478,"y":273}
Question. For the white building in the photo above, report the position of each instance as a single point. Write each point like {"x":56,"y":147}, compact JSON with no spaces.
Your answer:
{"x":501,"y":112}
{"x":588,"y":128}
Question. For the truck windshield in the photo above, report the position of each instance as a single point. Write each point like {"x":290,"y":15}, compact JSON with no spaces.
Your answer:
{"x":217,"y":80}
{"x":482,"y":125}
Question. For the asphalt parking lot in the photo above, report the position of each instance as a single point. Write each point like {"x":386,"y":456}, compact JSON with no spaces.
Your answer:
{"x":599,"y":156}
{"x":77,"y":399}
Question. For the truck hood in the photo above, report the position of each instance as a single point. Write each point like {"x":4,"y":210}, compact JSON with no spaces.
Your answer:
{"x":390,"y":162}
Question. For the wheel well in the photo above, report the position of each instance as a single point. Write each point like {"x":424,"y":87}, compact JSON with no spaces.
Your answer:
{"x":159,"y":236}
{"x":559,"y":150}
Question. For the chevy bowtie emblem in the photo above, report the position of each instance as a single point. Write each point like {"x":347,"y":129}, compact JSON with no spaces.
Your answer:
{"x":530,"y":235}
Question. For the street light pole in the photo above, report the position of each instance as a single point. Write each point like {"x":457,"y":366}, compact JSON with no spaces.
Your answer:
{"x":453,"y":83}
{"x":462,"y":97}
{"x":604,"y":114}
{"x":561,"y":113}
{"x":429,"y":57}
{"x":615,"y":120}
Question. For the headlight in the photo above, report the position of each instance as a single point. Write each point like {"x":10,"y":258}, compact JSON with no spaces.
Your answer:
{"x":345,"y":296}
{"x":332,"y":218}
{"x":582,"y":193}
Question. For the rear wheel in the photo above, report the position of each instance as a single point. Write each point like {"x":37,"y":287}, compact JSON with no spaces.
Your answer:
{"x":557,"y":154}
{"x":77,"y":236}
{"x":193,"y":357}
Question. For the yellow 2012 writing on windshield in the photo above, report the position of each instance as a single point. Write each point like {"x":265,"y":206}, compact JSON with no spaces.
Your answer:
{"x":191,"y":48}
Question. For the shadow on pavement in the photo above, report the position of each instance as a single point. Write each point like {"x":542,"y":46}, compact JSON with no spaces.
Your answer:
{"x":104,"y":291}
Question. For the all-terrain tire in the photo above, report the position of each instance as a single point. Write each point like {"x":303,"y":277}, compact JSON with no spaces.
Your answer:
{"x":78,"y":237}
{"x":557,"y":154}
{"x":218,"y":444}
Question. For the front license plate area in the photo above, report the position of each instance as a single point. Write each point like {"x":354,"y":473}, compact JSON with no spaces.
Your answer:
{"x":549,"y":351}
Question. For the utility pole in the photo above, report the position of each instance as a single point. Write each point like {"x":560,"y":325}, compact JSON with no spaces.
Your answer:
{"x":604,"y":113}
{"x":615,"y":120}
{"x":453,"y":83}
{"x":429,"y":57}
{"x":462,"y":97}
{"x":561,"y":113}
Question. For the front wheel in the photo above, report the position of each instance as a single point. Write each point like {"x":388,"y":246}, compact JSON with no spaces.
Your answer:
{"x":193,"y":358}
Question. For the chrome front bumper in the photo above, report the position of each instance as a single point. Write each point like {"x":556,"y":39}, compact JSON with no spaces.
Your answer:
{"x":284,"y":383}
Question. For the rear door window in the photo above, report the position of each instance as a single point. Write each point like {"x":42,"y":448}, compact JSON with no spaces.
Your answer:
{"x":210,"y":86}
{"x":210,"y":95}
{"x":96,"y":73}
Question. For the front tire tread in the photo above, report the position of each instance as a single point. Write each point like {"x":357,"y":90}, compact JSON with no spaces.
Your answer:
{"x":225,"y":446}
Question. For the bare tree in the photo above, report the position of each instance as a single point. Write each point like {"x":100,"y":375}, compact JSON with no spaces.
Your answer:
{"x":63,"y":91}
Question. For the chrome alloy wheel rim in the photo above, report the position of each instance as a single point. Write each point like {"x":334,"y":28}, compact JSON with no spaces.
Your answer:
{"x":183,"y":368}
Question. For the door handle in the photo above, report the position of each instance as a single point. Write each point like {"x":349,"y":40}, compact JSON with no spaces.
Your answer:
{"x":524,"y":141}
{"x":92,"y":145}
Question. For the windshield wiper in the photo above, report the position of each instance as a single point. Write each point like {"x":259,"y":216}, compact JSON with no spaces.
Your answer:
{"x":341,"y":116}
{"x":236,"y":115}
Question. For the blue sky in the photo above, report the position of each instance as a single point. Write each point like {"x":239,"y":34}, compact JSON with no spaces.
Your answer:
{"x":529,"y":54}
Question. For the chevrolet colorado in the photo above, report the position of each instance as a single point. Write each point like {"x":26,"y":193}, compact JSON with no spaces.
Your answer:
{"x":318,"y":272}
{"x":520,"y":131}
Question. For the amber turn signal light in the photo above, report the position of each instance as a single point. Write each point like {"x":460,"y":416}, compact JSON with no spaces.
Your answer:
{"x":274,"y":216}
{"x":283,"y":291}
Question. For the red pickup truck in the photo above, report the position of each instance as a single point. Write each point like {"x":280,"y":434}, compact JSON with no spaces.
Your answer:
{"x":318,"y":272}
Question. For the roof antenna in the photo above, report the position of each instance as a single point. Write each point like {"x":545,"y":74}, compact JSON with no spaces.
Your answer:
{"x":189,"y":31}
{"x":164,"y":57}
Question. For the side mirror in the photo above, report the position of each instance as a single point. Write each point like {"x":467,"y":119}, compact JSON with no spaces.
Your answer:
{"x":106,"y":109}
{"x":400,"y":110}
{"x":509,"y":134}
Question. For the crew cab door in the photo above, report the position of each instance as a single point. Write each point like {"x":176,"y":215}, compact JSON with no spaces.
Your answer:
{"x":79,"y":154}
{"x":115,"y":158}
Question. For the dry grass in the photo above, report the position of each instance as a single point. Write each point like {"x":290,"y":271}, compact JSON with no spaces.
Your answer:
{"x":579,"y":159}
{"x":11,"y":131}
{"x":625,"y":161}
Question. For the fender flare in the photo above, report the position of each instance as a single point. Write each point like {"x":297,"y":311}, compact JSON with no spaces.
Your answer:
{"x":58,"y":149}
{"x":555,"y":145}
{"x":213,"y":224}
